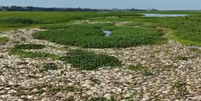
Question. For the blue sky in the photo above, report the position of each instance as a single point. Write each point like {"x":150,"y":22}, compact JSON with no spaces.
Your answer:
{"x":144,"y":4}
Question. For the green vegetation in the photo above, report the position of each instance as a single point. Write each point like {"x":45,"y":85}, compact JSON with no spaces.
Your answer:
{"x":95,"y":80}
{"x":3,"y":39}
{"x":93,"y":37}
{"x":89,"y":61}
{"x":35,"y":19}
{"x":182,"y":58}
{"x":50,"y":66}
{"x":144,"y":70}
{"x":101,"y":99}
{"x":19,"y":50}
{"x":29,"y":46}
{"x":147,"y":73}
{"x":55,"y":26}
{"x":186,"y":30}
{"x":138,"y":67}
{"x":26,"y":54}
{"x":180,"y":86}
{"x":18,"y":21}
{"x":189,"y":38}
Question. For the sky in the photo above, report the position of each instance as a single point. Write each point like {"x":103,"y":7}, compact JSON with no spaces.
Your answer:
{"x":121,"y":4}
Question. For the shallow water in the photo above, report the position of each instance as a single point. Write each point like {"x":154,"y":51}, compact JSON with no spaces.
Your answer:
{"x":107,"y":33}
{"x":165,"y":15}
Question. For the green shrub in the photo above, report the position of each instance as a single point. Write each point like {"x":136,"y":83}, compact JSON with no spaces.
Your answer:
{"x":89,"y":61}
{"x":29,"y":46}
{"x":3,"y":39}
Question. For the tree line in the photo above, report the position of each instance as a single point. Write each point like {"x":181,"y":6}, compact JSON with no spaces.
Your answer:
{"x":31,"y":8}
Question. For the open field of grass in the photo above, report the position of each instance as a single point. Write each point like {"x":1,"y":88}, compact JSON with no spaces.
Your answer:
{"x":35,"y":19}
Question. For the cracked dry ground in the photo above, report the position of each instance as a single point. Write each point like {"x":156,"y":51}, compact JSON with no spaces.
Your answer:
{"x":171,"y":79}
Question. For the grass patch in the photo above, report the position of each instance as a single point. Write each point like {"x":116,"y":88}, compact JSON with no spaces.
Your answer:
{"x":29,"y":46}
{"x":185,"y":42}
{"x":55,"y":26}
{"x":90,"y":61}
{"x":138,"y":67}
{"x":3,"y":39}
{"x":144,"y":70}
{"x":186,"y":29}
{"x":180,"y":86}
{"x":182,"y":58}
{"x":25,"y":54}
{"x":188,"y":38}
{"x":93,"y":37}
{"x":18,"y":21}
{"x":110,"y":28}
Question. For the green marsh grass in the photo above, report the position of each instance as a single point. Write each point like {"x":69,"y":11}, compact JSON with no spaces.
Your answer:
{"x":29,"y":46}
{"x":3,"y":39}
{"x":186,"y":29}
{"x":93,"y":37}
{"x":55,"y":26}
{"x":18,"y":21}
{"x":89,"y":60}
{"x":26,"y":54}
{"x":24,"y":19}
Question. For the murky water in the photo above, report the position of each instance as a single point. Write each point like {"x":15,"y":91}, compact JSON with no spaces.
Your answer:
{"x":107,"y":33}
{"x":165,"y":15}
